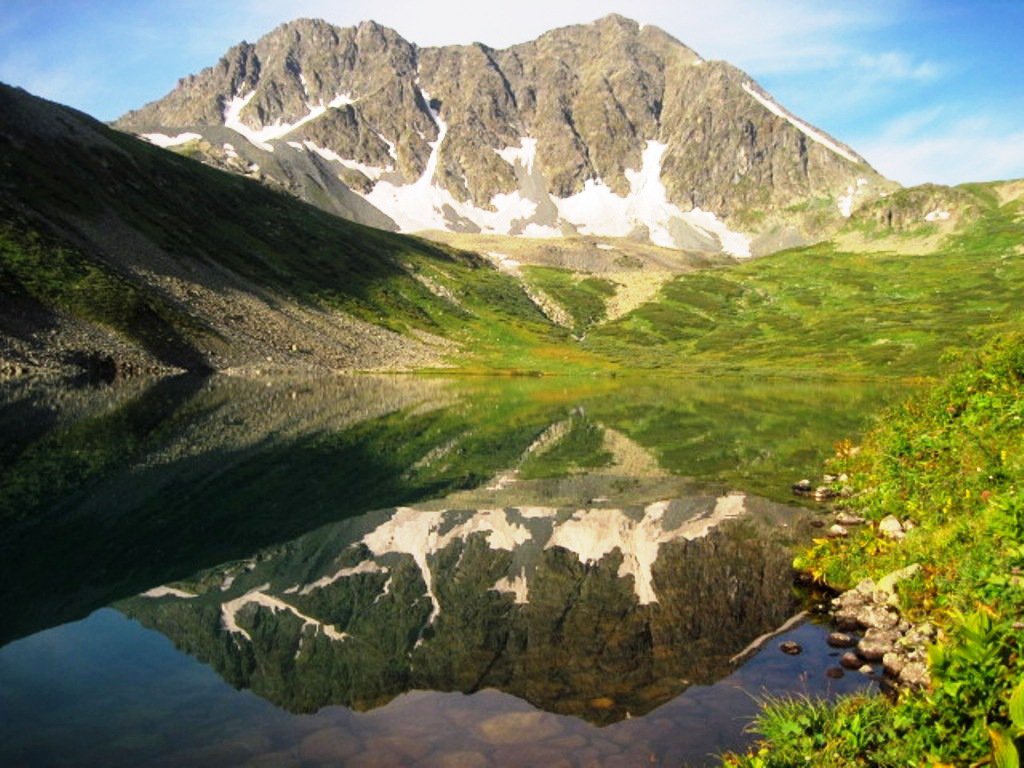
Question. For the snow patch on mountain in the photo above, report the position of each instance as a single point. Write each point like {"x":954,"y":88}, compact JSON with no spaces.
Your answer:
{"x":524,"y":154}
{"x":809,"y":131}
{"x":597,"y":210}
{"x":937,"y":216}
{"x":370,"y":171}
{"x":163,"y":140}
{"x":260,"y":137}
{"x":845,"y":202}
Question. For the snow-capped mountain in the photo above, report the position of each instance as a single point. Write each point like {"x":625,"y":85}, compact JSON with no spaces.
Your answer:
{"x":610,"y":128}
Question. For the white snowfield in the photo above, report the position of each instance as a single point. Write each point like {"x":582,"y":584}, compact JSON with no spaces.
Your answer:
{"x":423,"y":204}
{"x":937,"y":216}
{"x":846,"y":201}
{"x":261,"y":137}
{"x":595,"y":210}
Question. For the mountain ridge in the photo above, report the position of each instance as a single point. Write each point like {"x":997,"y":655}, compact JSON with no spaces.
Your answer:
{"x":611,"y":128}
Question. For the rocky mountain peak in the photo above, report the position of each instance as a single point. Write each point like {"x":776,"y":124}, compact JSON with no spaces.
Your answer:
{"x":611,"y":128}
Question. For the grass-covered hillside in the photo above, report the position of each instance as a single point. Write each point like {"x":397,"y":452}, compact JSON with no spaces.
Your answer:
{"x":117,"y":255}
{"x":888,"y":295}
{"x":952,"y":463}
{"x":110,"y":247}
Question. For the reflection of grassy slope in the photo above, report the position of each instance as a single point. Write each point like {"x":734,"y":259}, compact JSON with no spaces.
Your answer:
{"x":177,"y":478}
{"x":86,"y":511}
{"x":821,"y":308}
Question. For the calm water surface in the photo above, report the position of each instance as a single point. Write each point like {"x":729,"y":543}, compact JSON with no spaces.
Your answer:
{"x":405,"y":571}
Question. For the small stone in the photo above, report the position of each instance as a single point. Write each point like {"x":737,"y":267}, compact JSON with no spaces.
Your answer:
{"x":802,"y":487}
{"x":893,"y":663}
{"x":848,"y":520}
{"x":823,"y":493}
{"x":878,"y":617}
{"x":834,"y":673}
{"x":790,"y":647}
{"x":891,"y":528}
{"x":850,"y":660}
{"x":843,"y":477}
{"x":828,"y":479}
{"x":876,"y":643}
{"x":915,"y":675}
{"x":847,"y":624}
{"x":841,"y":640}
{"x":866,"y":669}
{"x":837,"y":532}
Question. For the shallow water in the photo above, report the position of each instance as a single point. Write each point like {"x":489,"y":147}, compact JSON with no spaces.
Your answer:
{"x":396,"y":571}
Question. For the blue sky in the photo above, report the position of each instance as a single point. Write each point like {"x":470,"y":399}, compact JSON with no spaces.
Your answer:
{"x":926,"y":90}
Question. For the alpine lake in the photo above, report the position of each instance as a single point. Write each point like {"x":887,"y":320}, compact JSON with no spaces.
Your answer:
{"x":408,"y":570}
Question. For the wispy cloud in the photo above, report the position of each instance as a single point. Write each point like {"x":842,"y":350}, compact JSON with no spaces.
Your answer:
{"x":925,"y":146}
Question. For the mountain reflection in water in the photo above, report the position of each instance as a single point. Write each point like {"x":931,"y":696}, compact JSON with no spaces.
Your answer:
{"x":602,"y":612}
{"x":599,"y":549}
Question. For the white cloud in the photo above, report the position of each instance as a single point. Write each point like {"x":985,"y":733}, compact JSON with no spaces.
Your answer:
{"x":898,"y":66}
{"x":923,"y":146}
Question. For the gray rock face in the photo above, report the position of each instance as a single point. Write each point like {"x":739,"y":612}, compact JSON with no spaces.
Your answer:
{"x":609,"y":128}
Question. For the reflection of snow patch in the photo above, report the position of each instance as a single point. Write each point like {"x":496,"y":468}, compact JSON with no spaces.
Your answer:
{"x":229,"y":613}
{"x":592,"y":534}
{"x":517,"y":586}
{"x":163,"y":140}
{"x":367,"y":566}
{"x":167,"y":592}
{"x":418,"y":534}
{"x":811,"y":133}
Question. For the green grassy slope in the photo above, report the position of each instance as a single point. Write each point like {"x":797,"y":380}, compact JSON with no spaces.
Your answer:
{"x":951,"y":461}
{"x":830,"y":309}
{"x":89,"y":217}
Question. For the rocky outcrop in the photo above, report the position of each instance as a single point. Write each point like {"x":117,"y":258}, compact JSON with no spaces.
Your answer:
{"x":889,"y":640}
{"x":609,"y":128}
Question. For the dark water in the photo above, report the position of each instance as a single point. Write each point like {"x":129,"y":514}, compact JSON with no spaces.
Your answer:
{"x":398,"y":571}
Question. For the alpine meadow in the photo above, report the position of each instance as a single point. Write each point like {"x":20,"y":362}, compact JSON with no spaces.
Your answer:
{"x":566,"y":402}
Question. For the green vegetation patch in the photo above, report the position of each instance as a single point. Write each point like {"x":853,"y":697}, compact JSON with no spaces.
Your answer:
{"x":824,"y":309}
{"x":952,"y":462}
{"x":584,"y":298}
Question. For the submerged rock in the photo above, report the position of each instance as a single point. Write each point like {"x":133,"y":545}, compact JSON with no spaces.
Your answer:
{"x":841,"y":640}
